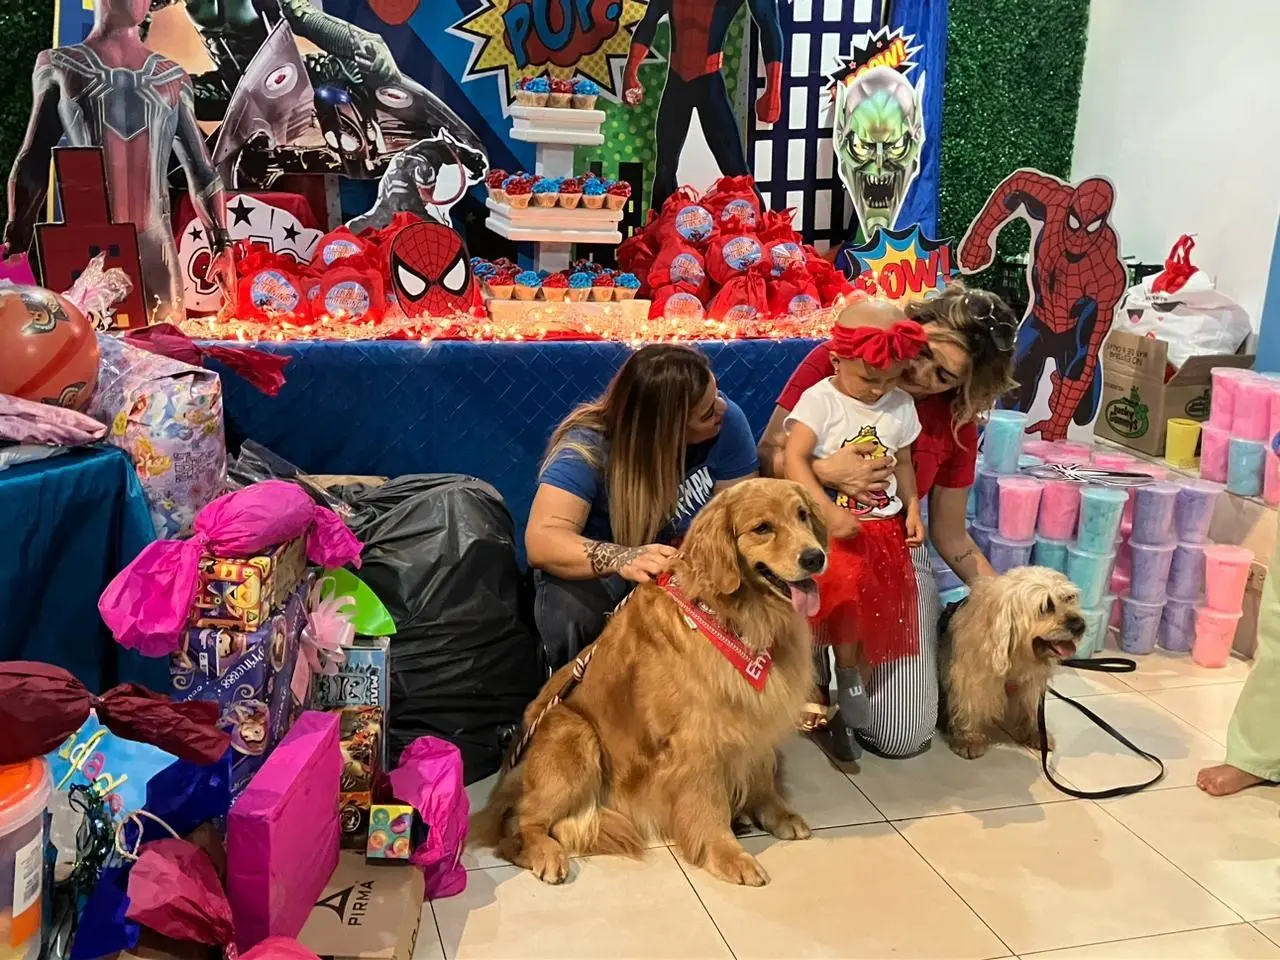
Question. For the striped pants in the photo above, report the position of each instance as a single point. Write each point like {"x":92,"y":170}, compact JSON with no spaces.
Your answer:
{"x":903,"y":693}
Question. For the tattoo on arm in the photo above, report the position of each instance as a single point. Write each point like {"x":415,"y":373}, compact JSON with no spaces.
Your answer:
{"x":609,"y":557}
{"x":962,"y":557}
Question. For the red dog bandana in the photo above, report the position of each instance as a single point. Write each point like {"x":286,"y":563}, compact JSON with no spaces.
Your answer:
{"x":754,"y":667}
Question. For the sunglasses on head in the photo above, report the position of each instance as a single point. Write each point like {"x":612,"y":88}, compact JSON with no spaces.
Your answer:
{"x":1001,"y":330}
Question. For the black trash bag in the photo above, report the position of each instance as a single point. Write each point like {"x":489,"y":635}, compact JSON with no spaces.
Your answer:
{"x":439,"y":553}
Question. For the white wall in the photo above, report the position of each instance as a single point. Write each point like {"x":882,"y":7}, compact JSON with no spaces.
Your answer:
{"x":1180,"y":108}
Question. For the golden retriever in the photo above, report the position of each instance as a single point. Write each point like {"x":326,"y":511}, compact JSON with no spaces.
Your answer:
{"x":664,"y":737}
{"x":1000,"y":649}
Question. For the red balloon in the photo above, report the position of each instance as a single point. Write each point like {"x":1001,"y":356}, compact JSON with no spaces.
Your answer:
{"x":48,"y":350}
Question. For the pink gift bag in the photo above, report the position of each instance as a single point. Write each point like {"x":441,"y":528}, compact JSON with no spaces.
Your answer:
{"x":430,"y":779}
{"x":282,"y":833}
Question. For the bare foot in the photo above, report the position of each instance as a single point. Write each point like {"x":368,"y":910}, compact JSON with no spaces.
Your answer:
{"x":1224,"y":780}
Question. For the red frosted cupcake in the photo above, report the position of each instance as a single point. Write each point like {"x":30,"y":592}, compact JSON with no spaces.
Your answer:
{"x":519,"y":191}
{"x":570,"y":193}
{"x":502,"y":284}
{"x":555,"y":287}
{"x":493,"y":182}
{"x":561,"y":92}
{"x":602,"y":286}
{"x":617,"y":195}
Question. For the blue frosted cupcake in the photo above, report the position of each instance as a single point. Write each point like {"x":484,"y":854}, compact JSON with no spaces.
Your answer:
{"x":536,"y":92}
{"x":593,"y":193}
{"x":546,"y":192}
{"x":580,"y":285}
{"x":528,"y":285}
{"x":584,"y":94}
{"x":626,"y":286}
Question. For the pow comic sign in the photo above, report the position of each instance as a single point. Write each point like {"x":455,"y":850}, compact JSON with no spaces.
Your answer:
{"x":558,"y":31}
{"x":430,"y":271}
{"x":1076,"y":279}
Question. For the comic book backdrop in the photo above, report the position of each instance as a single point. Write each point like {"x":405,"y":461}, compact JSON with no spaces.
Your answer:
{"x":347,"y":87}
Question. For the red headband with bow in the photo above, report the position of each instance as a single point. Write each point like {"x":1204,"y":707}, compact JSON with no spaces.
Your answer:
{"x":879,"y":348}
{"x":41,"y":705}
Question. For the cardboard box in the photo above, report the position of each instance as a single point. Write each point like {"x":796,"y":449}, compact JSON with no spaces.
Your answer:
{"x":240,"y":593}
{"x":1137,"y":403}
{"x":362,"y":680}
{"x":366,"y":912}
{"x":360,"y":734}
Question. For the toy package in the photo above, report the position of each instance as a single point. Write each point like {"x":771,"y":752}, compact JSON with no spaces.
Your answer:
{"x":248,"y":675}
{"x":361,"y":737}
{"x":363,"y":680}
{"x":395,"y":830}
{"x":168,"y":417}
{"x":240,"y":593}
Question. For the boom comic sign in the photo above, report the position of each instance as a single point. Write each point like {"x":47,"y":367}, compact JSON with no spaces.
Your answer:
{"x":563,"y":38}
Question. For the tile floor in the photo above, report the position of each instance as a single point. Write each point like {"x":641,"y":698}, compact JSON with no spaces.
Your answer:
{"x":938,"y":857}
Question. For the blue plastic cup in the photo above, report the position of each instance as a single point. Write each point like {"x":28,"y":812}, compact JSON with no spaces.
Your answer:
{"x":1149,"y":571}
{"x":1101,"y":509}
{"x":1005,"y":555}
{"x":982,"y":537}
{"x":1091,"y":572}
{"x":1245,"y":462}
{"x":1002,"y":440}
{"x":1153,"y":513}
{"x":1186,"y":572}
{"x":1177,"y":631}
{"x":1050,"y":553}
{"x":1139,"y":625}
{"x":986,"y":484}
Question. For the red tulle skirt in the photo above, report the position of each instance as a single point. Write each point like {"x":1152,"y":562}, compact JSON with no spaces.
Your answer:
{"x":868,"y":593}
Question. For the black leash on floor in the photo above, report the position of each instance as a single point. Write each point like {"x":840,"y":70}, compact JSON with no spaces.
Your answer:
{"x":1098,"y":665}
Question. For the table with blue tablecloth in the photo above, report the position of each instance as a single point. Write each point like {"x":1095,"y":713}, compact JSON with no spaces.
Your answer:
{"x":484,"y":409}
{"x":69,"y":524}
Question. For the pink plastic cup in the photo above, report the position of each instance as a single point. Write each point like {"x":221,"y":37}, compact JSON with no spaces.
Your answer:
{"x":1215,"y":635}
{"x":1039,"y":448}
{"x":1226,"y":571}
{"x":1079,"y":452}
{"x":1274,"y":406}
{"x":1251,"y":409}
{"x":1222,"y":399}
{"x":1271,"y":480}
{"x":1122,"y":462}
{"x":1059,"y":507}
{"x":1214,"y":446}
{"x":1019,"y":505}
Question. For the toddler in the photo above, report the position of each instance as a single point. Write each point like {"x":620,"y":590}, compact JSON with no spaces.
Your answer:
{"x":868,"y":592}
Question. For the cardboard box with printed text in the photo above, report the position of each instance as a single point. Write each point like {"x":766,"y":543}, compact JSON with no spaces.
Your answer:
{"x":366,"y":912}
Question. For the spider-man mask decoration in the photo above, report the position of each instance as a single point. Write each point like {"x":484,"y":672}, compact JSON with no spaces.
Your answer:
{"x":430,"y":271}
{"x":1087,"y":211}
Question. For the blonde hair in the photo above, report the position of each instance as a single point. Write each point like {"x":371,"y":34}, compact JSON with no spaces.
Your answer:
{"x":963,"y":317}
{"x":639,"y":436}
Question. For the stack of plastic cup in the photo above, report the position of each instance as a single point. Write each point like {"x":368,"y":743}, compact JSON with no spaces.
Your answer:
{"x":1002,"y":440}
{"x":1151,"y":543}
{"x":1222,"y":399}
{"x":1226,"y":572}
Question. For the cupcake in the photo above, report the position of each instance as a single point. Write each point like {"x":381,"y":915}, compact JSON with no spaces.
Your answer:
{"x":602,"y":286}
{"x":561,"y":92}
{"x":626,"y":286}
{"x":493,"y":182}
{"x":555,"y":287}
{"x":593,"y":191}
{"x":584,"y":94}
{"x":570,"y":193}
{"x":537,"y":91}
{"x":482,"y":268}
{"x":502,"y":284}
{"x":523,"y":96}
{"x":528,"y":284}
{"x":546,"y":192}
{"x":518,"y":190}
{"x":617,"y":194}
{"x":580,"y":286}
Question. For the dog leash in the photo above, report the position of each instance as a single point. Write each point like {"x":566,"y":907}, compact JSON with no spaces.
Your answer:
{"x":1098,"y":665}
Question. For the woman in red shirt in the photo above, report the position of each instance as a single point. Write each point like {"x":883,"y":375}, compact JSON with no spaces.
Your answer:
{"x":966,"y":367}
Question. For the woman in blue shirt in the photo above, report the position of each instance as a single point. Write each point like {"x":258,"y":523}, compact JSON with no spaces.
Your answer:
{"x":623,"y":478}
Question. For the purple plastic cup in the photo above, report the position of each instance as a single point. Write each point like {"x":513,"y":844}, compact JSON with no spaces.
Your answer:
{"x":1251,"y":409}
{"x":1193,"y":511}
{"x":981,"y":538}
{"x":987,"y":486}
{"x":1153,"y":513}
{"x":1215,"y":455}
{"x":1177,"y":631}
{"x":1139,"y":624}
{"x":1005,"y":555}
{"x":1222,"y":399}
{"x":1186,"y":572}
{"x":1019,"y":505}
{"x":1149,"y":576}
{"x":1059,"y":507}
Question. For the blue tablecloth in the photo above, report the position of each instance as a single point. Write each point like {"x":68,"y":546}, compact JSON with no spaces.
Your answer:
{"x":67,"y":526}
{"x":484,"y":409}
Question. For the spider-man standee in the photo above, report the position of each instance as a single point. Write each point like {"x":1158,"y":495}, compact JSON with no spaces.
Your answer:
{"x":694,"y":80}
{"x":1077,"y":280}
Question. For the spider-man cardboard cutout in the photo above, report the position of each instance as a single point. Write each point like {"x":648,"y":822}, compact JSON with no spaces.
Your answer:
{"x":1076,"y":280}
{"x":430,"y":271}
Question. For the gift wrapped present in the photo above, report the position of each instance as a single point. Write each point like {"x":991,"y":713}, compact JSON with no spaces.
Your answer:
{"x":168,"y":417}
{"x":361,"y":735}
{"x":249,"y":676}
{"x":239,"y":593}
{"x":361,"y":680}
{"x":282,"y":834}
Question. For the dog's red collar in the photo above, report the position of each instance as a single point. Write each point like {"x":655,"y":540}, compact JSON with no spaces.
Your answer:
{"x":754,"y":667}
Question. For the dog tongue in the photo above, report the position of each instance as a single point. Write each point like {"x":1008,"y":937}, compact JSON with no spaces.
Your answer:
{"x":804,"y":597}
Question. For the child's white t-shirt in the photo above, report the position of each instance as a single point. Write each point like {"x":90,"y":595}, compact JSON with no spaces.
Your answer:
{"x":884,"y":427}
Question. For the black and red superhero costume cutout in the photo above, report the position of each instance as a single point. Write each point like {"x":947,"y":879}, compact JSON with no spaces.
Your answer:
{"x":430,"y":271}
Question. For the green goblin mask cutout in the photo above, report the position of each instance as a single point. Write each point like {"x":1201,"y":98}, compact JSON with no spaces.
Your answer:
{"x":878,"y":136}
